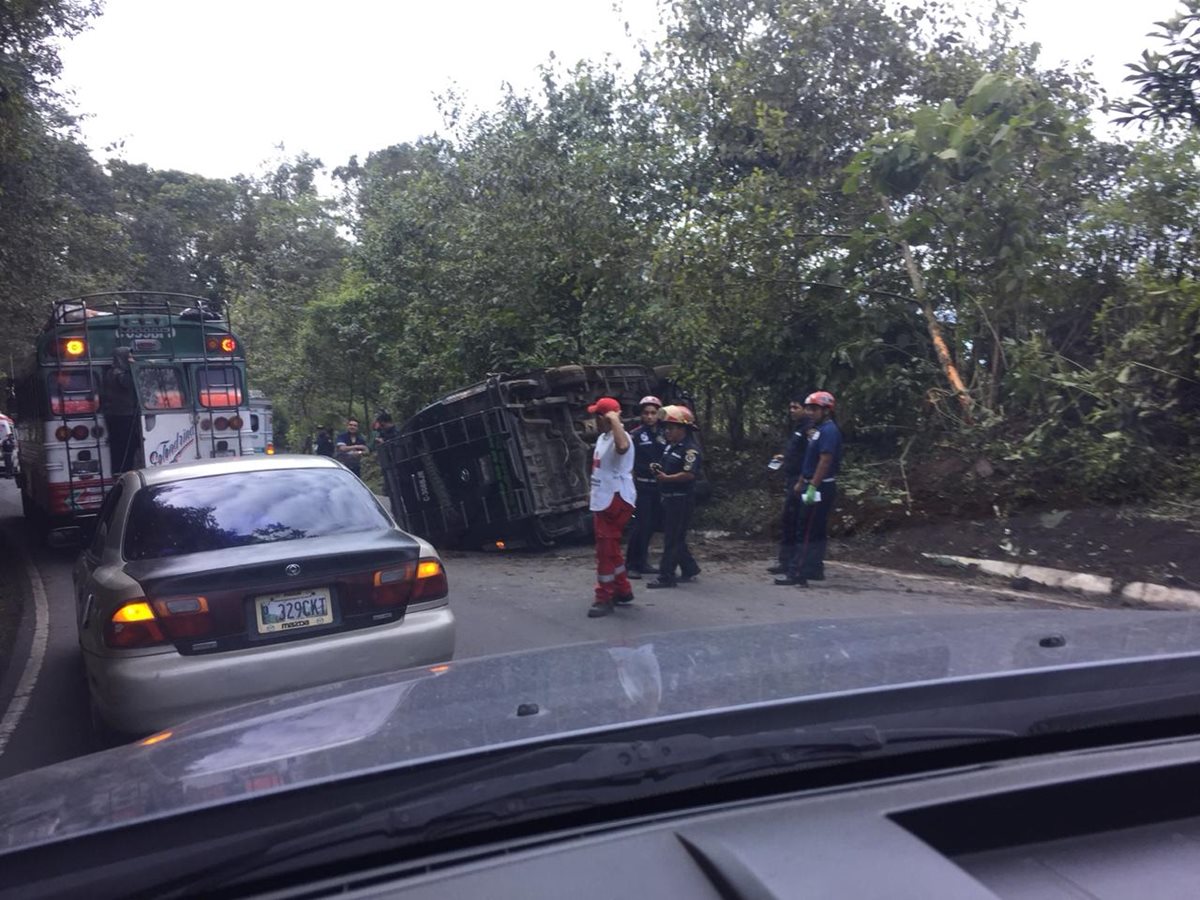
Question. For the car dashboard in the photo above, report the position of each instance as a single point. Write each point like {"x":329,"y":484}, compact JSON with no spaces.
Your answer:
{"x":1114,"y":823}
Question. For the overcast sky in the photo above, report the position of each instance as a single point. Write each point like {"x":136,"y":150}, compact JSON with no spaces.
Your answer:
{"x":212,"y":86}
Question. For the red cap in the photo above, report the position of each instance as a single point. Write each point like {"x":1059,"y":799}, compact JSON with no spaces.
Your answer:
{"x":604,"y":405}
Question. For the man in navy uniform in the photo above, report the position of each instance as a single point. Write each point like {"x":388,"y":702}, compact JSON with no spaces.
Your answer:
{"x":648,"y":444}
{"x":817,"y":490}
{"x":791,"y":461}
{"x":676,"y":476}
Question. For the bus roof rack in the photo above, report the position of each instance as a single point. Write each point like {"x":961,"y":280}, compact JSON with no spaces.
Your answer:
{"x":185,"y":306}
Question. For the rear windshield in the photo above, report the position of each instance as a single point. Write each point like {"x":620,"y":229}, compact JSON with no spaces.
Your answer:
{"x":72,"y":392}
{"x":222,"y":511}
{"x":219,"y":386}
{"x":159,"y":387}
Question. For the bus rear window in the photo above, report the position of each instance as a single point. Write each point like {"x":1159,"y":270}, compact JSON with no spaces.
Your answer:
{"x":72,"y":392}
{"x":159,"y":387}
{"x":219,"y":386}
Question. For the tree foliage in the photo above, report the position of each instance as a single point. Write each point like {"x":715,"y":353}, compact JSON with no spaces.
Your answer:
{"x":897,"y":203}
{"x":1167,"y":80}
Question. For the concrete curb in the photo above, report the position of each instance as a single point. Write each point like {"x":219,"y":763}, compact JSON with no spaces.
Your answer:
{"x":1140,"y":591}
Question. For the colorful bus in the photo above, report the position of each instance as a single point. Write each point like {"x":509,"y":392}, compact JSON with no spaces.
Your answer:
{"x":125,"y":380}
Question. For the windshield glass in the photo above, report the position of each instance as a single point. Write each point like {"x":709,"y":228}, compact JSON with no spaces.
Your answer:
{"x":72,"y":392}
{"x":219,"y":386}
{"x":223,"y":511}
{"x":159,"y":387}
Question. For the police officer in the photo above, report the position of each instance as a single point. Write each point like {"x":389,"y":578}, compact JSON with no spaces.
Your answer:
{"x":648,"y":445}
{"x":676,"y":476}
{"x":817,"y":489}
{"x":791,"y":461}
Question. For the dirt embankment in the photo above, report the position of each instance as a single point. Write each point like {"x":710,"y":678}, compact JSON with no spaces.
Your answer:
{"x":891,"y":516}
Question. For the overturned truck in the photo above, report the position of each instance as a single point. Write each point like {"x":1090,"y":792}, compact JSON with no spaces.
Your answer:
{"x":508,"y":459}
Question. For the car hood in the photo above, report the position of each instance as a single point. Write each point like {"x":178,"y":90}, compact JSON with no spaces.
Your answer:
{"x":459,"y":708}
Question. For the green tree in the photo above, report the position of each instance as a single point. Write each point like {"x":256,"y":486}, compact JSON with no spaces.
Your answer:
{"x":1167,"y":80}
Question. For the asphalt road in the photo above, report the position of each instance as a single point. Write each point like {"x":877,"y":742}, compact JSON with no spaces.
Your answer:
{"x":503,"y":602}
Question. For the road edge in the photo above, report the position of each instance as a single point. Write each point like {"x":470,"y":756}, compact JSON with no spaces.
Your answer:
{"x":1156,"y":595}
{"x":38,"y":642}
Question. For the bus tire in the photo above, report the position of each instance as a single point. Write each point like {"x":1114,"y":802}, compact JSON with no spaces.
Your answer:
{"x":536,"y":537}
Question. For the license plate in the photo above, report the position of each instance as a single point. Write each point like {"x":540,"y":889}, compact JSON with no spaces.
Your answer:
{"x":293,"y":610}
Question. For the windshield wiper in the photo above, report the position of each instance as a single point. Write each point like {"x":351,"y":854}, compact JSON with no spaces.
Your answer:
{"x":553,"y":780}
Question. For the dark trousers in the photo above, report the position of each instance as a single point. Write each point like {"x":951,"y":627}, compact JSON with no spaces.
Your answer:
{"x":789,"y":522}
{"x":677,"y":515}
{"x":122,"y":442}
{"x":648,"y":503}
{"x":808,"y":561}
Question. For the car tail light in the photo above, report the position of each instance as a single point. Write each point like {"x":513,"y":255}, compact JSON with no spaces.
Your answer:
{"x":411,"y":583}
{"x":270,"y":449}
{"x":431,"y":582}
{"x":184,"y":617}
{"x":133,"y":625}
{"x":393,"y":587}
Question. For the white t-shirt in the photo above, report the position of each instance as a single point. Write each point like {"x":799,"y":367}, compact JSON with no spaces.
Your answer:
{"x":612,"y":473}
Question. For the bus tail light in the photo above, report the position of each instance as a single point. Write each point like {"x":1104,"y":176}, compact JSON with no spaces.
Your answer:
{"x":61,"y":433}
{"x":221,"y":343}
{"x":133,"y":625}
{"x":236,"y":423}
{"x":220,"y":423}
{"x":80,"y":432}
{"x":71,"y":347}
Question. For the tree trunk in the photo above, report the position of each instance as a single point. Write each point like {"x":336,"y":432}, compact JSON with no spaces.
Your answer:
{"x":997,"y":372}
{"x":940,"y":347}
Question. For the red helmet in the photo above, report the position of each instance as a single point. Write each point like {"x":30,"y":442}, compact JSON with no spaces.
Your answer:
{"x":677,"y":415}
{"x":820,"y":398}
{"x":649,"y":400}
